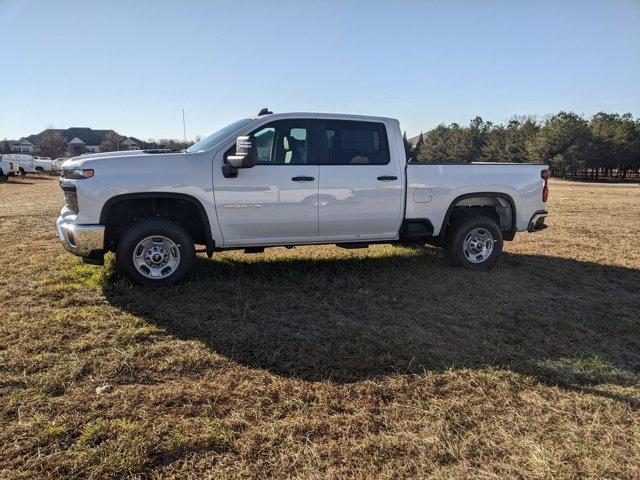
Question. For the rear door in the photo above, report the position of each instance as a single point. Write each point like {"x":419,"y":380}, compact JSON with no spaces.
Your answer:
{"x":360,"y":189}
{"x":276,"y":200}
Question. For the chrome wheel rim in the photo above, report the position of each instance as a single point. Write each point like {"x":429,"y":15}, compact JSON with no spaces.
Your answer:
{"x":478,"y":245}
{"x":156,"y":257}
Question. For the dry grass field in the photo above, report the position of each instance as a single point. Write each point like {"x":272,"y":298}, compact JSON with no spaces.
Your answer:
{"x":322,"y":363}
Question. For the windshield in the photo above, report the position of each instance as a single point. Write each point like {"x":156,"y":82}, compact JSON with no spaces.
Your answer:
{"x":217,"y":137}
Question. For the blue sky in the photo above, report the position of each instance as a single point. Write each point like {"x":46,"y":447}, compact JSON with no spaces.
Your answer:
{"x":133,"y":65}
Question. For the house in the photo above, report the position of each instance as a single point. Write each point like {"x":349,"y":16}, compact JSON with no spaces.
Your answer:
{"x":80,"y":139}
{"x":22,"y":146}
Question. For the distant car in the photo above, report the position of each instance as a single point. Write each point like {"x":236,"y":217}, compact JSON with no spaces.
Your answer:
{"x":56,"y":165}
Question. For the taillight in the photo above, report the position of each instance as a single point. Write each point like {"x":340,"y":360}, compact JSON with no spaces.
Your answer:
{"x":545,"y":174}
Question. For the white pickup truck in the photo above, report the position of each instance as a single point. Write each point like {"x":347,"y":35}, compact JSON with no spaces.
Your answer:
{"x":290,"y":179}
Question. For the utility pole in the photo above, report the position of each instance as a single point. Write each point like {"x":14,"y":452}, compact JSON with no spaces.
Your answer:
{"x":184,"y":128}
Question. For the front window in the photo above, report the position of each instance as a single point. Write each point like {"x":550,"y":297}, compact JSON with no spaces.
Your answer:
{"x":283,"y":142}
{"x":215,"y":138}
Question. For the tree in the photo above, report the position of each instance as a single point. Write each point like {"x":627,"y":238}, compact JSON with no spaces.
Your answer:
{"x":53,"y":145}
{"x":407,"y":146}
{"x":432,"y":147}
{"x":495,"y":146}
{"x":461,"y":148}
{"x":174,"y":145}
{"x":5,"y":147}
{"x":418,"y":147}
{"x":478,"y":132}
{"x":112,"y":142}
{"x":564,"y":142}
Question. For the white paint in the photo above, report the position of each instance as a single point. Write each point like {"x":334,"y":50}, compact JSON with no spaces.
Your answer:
{"x":342,"y":203}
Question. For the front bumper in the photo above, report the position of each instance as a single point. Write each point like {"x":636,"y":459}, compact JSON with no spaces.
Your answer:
{"x":86,"y":241}
{"x":537,"y":221}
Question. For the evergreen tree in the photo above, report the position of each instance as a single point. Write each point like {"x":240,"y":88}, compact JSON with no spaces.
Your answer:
{"x":408,"y":151}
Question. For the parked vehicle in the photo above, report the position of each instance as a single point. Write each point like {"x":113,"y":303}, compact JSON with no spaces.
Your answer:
{"x":290,"y":179}
{"x":56,"y":165}
{"x":5,"y":169}
{"x":21,"y":163}
{"x":42,"y":164}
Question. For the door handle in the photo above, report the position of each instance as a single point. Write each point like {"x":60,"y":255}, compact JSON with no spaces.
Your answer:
{"x":385,"y":178}
{"x":303,"y":179}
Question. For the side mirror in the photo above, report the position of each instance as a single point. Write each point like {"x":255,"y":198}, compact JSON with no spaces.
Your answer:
{"x":246,"y":153}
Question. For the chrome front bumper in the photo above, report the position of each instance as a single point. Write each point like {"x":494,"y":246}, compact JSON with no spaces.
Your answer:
{"x":81,"y":240}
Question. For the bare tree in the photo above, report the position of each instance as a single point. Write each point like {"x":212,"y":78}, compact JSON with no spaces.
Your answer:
{"x":112,"y":142}
{"x":4,"y":146}
{"x":53,"y":145}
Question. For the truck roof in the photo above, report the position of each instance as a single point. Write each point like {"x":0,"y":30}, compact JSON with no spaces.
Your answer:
{"x":339,"y":116}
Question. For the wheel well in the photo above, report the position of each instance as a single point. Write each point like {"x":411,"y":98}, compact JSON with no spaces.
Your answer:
{"x":499,"y":207}
{"x":121,"y":212}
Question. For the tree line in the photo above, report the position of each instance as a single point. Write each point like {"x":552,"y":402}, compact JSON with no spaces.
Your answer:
{"x":606,"y":146}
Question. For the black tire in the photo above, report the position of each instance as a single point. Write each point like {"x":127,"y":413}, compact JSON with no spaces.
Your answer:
{"x":39,"y":169}
{"x":22,"y":172}
{"x":149,"y":228}
{"x":455,"y":242}
{"x":3,"y":177}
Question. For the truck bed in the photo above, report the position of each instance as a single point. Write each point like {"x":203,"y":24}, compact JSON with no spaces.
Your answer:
{"x":433,"y":188}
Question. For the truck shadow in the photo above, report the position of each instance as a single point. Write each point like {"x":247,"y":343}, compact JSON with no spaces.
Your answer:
{"x":563,"y":321}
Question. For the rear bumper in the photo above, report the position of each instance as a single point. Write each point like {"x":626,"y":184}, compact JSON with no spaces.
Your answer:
{"x":537,"y":221}
{"x":86,"y":241}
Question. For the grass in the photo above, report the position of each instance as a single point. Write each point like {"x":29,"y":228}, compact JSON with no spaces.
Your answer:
{"x":319,"y":362}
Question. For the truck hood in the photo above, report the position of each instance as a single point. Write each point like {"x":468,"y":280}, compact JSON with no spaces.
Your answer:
{"x":113,"y":158}
{"x":123,"y":153}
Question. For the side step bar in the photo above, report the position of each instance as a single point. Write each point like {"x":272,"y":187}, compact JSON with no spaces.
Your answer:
{"x":352,"y":245}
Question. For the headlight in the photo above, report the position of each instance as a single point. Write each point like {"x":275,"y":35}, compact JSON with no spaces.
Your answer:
{"x":78,"y":173}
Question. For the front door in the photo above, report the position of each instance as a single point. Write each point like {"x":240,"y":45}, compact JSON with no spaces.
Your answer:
{"x":275,"y":201}
{"x":360,"y":194}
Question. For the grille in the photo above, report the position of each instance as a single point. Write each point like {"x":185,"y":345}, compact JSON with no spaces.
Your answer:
{"x":71,"y":197}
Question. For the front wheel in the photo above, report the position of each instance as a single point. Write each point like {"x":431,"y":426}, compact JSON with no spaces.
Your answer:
{"x":474,"y":242}
{"x":155,"y":251}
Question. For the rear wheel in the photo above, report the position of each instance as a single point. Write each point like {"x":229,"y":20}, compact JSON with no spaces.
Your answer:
{"x":474,"y":242}
{"x":22,"y":172}
{"x":3,"y":177}
{"x":155,"y":252}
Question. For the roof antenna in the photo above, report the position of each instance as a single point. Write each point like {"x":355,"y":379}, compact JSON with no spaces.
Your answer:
{"x":264,"y":111}
{"x":184,"y":128}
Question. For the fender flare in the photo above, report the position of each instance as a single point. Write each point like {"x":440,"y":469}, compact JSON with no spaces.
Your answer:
{"x":506,"y":196}
{"x":151,"y":195}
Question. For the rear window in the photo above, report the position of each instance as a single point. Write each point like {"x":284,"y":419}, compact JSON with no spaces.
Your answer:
{"x":353,"y":143}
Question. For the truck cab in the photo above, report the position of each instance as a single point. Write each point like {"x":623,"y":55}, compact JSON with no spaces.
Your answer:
{"x":290,"y":179}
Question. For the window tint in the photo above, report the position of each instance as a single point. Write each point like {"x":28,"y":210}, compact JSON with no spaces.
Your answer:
{"x":354,"y":143}
{"x":264,"y":143}
{"x":284,"y":142}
